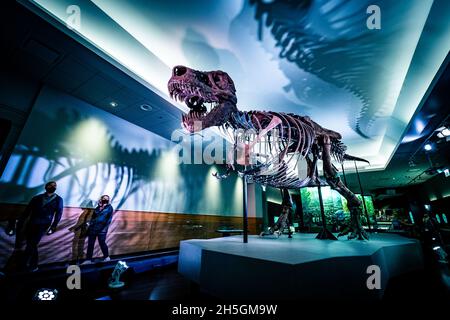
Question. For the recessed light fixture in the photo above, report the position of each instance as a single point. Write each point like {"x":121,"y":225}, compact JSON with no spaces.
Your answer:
{"x":443,"y":132}
{"x":113,"y":104}
{"x":428,"y":147}
{"x":146,"y":107}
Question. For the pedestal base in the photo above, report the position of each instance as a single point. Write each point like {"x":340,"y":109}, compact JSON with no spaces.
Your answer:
{"x":301,"y":267}
{"x":326,"y":234}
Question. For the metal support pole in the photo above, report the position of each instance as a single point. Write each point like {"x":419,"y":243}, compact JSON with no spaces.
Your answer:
{"x":322,"y":210}
{"x":300,"y":211}
{"x":245,"y":217}
{"x":362,"y":196}
{"x":343,"y":174}
{"x":324,"y":233}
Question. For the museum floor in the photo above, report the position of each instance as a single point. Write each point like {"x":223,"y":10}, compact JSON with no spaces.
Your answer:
{"x":163,"y":282}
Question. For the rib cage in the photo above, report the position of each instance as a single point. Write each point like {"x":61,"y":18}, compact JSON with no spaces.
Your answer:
{"x":274,"y":155}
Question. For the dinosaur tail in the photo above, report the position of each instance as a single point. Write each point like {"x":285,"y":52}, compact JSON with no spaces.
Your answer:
{"x":352,"y":158}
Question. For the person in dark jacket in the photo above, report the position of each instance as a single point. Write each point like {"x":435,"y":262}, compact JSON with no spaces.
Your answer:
{"x":43,"y":213}
{"x":98,"y":228}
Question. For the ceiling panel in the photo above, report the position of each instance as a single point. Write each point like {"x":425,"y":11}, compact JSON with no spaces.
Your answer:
{"x":73,"y":72}
{"x":97,"y":88}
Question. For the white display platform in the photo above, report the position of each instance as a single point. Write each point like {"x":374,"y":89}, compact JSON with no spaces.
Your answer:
{"x":301,"y":267}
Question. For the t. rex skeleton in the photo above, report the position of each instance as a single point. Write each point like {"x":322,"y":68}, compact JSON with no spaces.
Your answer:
{"x":267,"y":145}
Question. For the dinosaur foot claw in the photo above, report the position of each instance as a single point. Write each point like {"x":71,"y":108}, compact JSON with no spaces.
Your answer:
{"x":344,"y":232}
{"x":359,"y":234}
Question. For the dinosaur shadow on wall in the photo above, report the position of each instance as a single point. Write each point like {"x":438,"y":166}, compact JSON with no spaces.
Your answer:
{"x":332,"y":42}
{"x":47,"y":154}
{"x":199,"y":52}
{"x":129,"y":169}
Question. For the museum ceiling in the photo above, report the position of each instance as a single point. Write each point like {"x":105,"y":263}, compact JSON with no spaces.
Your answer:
{"x":412,"y":163}
{"x":317,"y":58}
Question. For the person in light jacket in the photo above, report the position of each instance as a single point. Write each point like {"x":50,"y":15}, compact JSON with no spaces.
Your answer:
{"x":98,"y":228}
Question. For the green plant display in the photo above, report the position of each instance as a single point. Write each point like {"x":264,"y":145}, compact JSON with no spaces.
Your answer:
{"x":311,"y":206}
{"x":335,"y":206}
{"x":369,"y":206}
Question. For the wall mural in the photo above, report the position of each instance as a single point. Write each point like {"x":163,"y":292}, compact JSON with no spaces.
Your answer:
{"x":91,"y":152}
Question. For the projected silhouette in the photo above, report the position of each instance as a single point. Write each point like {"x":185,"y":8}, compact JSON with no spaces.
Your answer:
{"x":331,"y":41}
{"x":47,"y":151}
{"x":128,"y":169}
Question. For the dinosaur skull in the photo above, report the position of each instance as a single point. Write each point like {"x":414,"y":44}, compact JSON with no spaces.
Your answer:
{"x":210,"y":96}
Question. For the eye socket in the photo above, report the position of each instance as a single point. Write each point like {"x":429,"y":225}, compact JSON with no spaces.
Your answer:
{"x":179,"y":70}
{"x":218,"y":81}
{"x":203,"y":78}
{"x":216,"y":78}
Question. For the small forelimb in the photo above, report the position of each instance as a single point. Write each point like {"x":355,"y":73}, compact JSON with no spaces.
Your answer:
{"x":227,"y":173}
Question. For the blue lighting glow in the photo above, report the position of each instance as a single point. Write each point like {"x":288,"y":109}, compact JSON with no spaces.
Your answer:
{"x":331,"y":71}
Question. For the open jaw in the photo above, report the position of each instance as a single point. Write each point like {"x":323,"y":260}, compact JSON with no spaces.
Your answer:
{"x":199,"y":110}
{"x":200,"y":103}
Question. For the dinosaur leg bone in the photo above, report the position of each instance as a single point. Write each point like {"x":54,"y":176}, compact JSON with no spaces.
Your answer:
{"x":335,"y":183}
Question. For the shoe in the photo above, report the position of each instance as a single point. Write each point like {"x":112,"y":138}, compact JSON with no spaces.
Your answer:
{"x":107,"y":259}
{"x":86,"y":262}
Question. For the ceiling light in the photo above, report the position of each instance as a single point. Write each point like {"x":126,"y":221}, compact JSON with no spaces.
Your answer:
{"x":443,"y":132}
{"x":428,"y":147}
{"x":113,"y":104}
{"x":146,"y":107}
